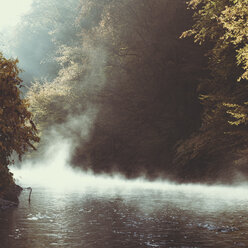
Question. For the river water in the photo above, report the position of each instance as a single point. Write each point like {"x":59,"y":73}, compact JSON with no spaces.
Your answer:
{"x":140,"y":215}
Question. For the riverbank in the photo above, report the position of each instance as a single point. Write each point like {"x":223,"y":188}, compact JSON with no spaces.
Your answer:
{"x":9,"y":198}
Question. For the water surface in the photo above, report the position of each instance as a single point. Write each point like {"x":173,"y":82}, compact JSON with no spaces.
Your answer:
{"x":99,"y":217}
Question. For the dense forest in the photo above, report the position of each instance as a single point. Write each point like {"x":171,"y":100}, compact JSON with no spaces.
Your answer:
{"x":153,"y":88}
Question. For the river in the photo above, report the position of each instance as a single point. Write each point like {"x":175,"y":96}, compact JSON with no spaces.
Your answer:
{"x":129,"y":215}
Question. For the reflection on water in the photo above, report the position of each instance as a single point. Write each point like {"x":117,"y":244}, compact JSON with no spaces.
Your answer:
{"x":116,"y":218}
{"x":82,"y":210}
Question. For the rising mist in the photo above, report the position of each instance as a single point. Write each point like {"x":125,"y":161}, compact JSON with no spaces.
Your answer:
{"x":114,"y":79}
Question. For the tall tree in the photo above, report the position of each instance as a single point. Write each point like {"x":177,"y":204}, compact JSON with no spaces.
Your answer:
{"x":17,"y":130}
{"x":128,"y":65}
{"x":221,"y":26}
{"x":149,"y":101}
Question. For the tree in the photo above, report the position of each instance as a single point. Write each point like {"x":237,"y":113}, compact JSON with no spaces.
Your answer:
{"x":17,"y":130}
{"x":126,"y":62}
{"x":149,"y":94}
{"x":221,"y":26}
{"x":40,"y":32}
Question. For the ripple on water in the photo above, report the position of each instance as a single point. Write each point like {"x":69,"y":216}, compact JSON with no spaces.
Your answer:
{"x":38,"y":216}
{"x":133,"y":220}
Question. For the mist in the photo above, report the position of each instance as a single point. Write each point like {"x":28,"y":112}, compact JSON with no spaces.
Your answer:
{"x":56,"y":163}
{"x":116,"y":86}
{"x":141,"y":143}
{"x":11,"y":13}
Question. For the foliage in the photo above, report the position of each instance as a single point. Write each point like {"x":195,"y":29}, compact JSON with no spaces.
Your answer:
{"x":224,"y":25}
{"x":149,"y":101}
{"x":45,"y":102}
{"x":221,"y":26}
{"x":40,"y":32}
{"x":126,"y":60}
{"x":17,"y":130}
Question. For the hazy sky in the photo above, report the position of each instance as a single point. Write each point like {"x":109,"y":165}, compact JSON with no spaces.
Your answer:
{"x":11,"y":10}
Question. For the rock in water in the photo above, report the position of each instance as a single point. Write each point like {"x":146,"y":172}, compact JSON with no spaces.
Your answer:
{"x":9,"y":198}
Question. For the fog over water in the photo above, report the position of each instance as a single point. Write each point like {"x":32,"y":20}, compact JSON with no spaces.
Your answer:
{"x":55,"y":173}
{"x":113,"y":92}
{"x":71,"y":208}
{"x":98,"y":131}
{"x":95,"y":124}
